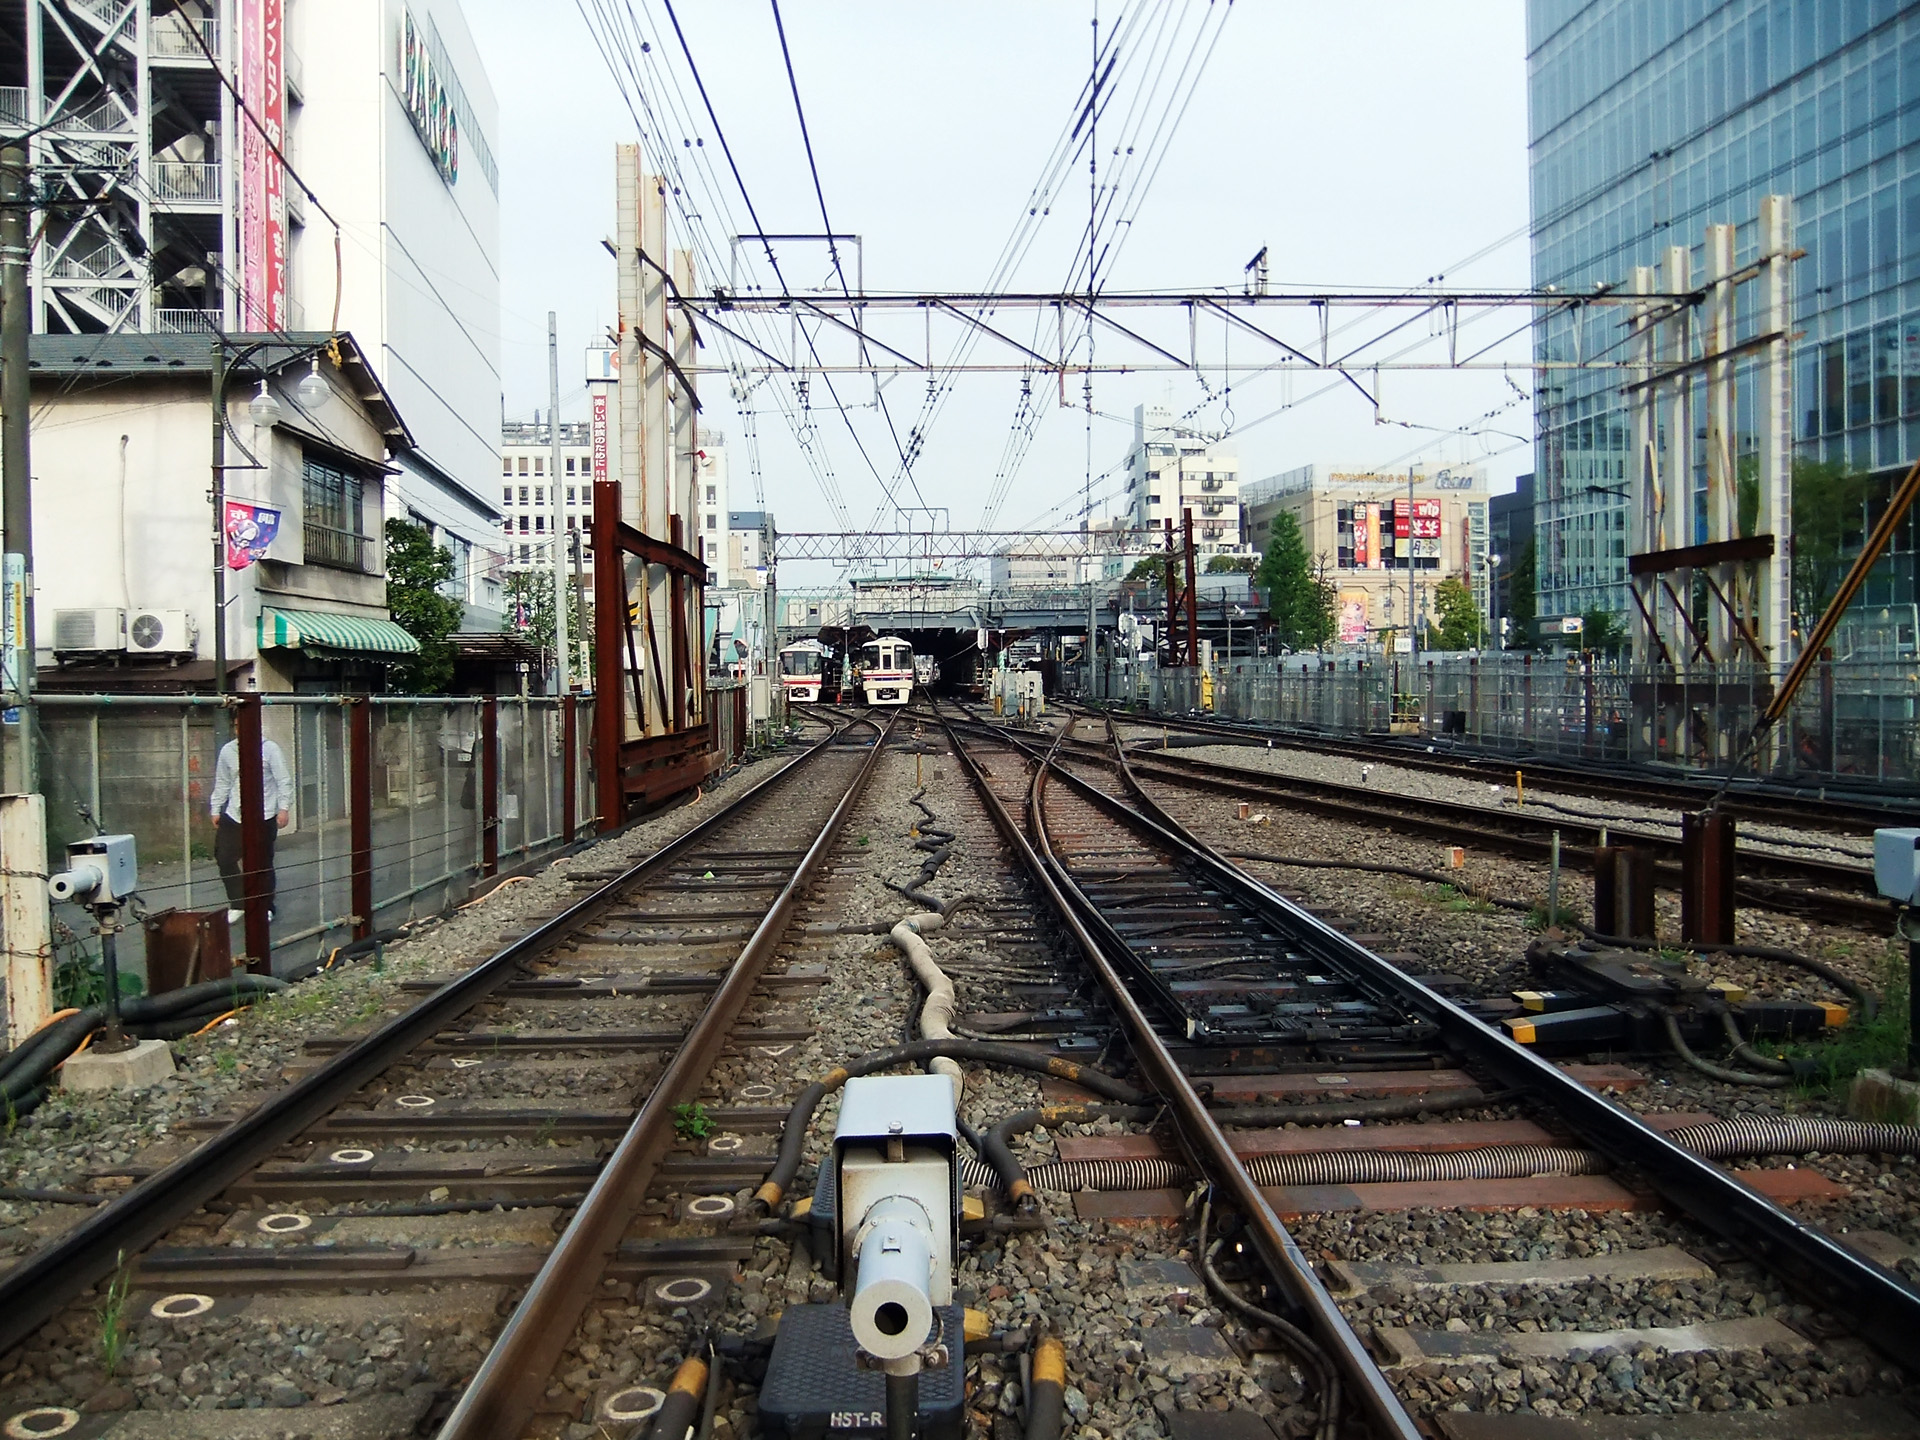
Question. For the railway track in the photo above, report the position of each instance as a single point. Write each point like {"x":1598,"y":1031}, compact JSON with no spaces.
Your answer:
{"x":1155,"y":913}
{"x":511,"y":1133}
{"x":1790,"y":883}
{"x":1271,"y":1078}
{"x":1747,"y":799}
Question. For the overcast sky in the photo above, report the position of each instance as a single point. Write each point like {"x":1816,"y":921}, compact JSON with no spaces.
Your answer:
{"x":1370,"y":143}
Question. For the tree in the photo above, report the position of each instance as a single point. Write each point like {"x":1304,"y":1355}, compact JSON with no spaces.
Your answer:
{"x":416,"y":569}
{"x":1299,"y":599}
{"x":1603,"y":632}
{"x":1829,"y":517}
{"x":1523,"y":606}
{"x":1232,"y":565}
{"x":1460,"y":625}
{"x":1150,"y":571}
{"x":529,"y":601}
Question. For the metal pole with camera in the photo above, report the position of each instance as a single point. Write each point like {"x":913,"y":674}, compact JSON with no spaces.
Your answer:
{"x":101,"y":875}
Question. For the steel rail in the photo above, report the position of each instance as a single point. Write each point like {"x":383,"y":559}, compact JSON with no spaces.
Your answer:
{"x":501,"y":1398}
{"x":1203,"y":1139}
{"x":1768,"y":804}
{"x":36,"y":1289}
{"x":1884,"y":1309}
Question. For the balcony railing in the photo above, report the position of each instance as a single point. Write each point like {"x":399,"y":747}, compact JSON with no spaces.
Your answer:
{"x":171,"y":36}
{"x":184,"y":180}
{"x":325,"y":545}
{"x":186,"y":322}
{"x":13,"y":105}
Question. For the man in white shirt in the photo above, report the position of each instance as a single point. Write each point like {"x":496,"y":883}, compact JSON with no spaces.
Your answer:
{"x":276,"y":789}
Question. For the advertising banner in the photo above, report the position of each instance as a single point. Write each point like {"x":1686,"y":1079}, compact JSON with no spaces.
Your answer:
{"x":1352,"y":617}
{"x":249,"y":530}
{"x":1402,"y":520}
{"x":263,"y":227}
{"x":1375,"y":559}
{"x":1426,"y":520}
{"x":1362,"y":554}
{"x":599,"y":432}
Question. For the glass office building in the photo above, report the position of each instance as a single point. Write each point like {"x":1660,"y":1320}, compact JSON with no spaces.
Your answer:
{"x":1650,"y":120}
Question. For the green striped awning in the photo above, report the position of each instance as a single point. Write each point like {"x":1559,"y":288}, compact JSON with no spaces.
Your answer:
{"x":317,"y":630}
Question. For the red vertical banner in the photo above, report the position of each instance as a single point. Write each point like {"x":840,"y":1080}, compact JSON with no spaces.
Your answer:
{"x":262,"y":212}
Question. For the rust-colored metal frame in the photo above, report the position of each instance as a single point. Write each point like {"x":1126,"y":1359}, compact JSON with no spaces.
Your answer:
{"x":651,"y":768}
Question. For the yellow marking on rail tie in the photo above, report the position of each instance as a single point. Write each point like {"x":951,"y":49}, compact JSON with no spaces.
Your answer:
{"x":803,"y":1207}
{"x":1519,"y":1031}
{"x":1731,"y":991}
{"x":1533,"y":1001}
{"x":972,"y":1207}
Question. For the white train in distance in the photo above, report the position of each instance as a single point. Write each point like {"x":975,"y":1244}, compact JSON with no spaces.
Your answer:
{"x":887,"y":671}
{"x":804,"y":670}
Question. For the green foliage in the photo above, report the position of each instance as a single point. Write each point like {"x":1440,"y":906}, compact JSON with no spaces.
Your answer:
{"x":1604,"y":632}
{"x":82,"y":981}
{"x":1150,"y":571}
{"x":1299,"y":598}
{"x":226,"y":1062}
{"x":529,"y":602}
{"x":1829,"y":520}
{"x":1538,"y":919}
{"x":1523,"y":609}
{"x":112,"y":1317}
{"x":1461,"y":626}
{"x":1861,"y":1044}
{"x":416,"y":568}
{"x":1232,"y":565}
{"x":691,"y":1121}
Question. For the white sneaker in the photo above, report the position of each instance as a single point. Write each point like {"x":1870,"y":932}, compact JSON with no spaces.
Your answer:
{"x":234,"y":917}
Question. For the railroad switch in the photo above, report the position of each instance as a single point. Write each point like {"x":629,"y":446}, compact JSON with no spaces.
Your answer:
{"x":1603,"y":999}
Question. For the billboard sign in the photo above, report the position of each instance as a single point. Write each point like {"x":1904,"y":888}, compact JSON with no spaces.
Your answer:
{"x":263,"y":225}
{"x":1362,"y":553}
{"x":1453,"y":480}
{"x":603,"y":365}
{"x":1426,"y":520}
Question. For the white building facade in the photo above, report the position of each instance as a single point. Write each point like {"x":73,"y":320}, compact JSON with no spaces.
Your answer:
{"x":383,"y":110}
{"x":1172,"y":469}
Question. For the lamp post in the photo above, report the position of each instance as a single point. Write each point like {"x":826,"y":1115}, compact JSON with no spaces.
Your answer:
{"x":1493,"y":599}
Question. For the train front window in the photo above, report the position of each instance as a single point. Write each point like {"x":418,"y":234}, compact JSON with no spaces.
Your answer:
{"x":800,"y":663}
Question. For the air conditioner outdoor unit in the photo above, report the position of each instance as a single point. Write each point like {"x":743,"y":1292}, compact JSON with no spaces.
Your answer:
{"x":76,"y":630}
{"x":160,"y":632}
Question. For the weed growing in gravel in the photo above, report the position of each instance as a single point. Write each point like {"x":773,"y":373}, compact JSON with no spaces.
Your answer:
{"x":545,"y":1132}
{"x":1863,"y":1044}
{"x":112,"y":1316}
{"x":691,"y":1121}
{"x":1538,"y":919}
{"x":865,"y":838}
{"x":226,"y":1061}
{"x":13,"y":1115}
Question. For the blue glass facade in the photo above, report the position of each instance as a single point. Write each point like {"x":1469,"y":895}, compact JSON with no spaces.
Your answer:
{"x":1650,"y":120}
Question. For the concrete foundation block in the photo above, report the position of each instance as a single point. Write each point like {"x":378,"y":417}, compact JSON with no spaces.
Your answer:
{"x":147,"y":1063}
{"x":1878,"y":1095}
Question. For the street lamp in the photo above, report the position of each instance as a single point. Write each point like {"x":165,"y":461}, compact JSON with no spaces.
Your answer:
{"x":1493,"y":600}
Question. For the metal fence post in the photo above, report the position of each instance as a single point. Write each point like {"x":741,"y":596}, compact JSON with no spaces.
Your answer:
{"x":254,"y":865}
{"x":489,"y":786}
{"x":569,"y":763}
{"x":360,"y":811}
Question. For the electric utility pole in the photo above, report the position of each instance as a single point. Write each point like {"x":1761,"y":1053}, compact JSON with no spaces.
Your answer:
{"x":559,"y":522}
{"x":16,"y":474}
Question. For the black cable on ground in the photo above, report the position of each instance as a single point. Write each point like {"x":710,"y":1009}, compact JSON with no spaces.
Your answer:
{"x":793,"y":1139}
{"x":1708,"y":1068}
{"x":24,"y":1068}
{"x":999,"y":1138}
{"x":1302,"y":1344}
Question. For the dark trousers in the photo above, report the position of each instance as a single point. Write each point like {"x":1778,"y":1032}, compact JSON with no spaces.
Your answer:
{"x":227,"y":851}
